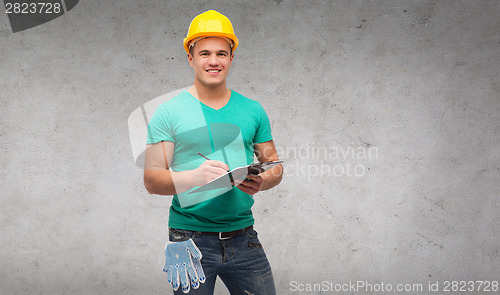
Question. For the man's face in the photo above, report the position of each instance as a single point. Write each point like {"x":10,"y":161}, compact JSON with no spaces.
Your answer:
{"x":211,"y":60}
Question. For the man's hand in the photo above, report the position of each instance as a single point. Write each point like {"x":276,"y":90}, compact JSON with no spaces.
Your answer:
{"x":252,"y":184}
{"x":266,"y":151}
{"x":209,"y":171}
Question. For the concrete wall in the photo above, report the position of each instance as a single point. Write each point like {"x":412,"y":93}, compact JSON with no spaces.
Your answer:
{"x":387,"y":113}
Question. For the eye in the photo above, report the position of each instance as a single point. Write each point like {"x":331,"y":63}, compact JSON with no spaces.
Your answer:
{"x":222,"y":54}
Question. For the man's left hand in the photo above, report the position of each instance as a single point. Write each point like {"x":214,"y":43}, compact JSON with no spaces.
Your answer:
{"x":252,"y":184}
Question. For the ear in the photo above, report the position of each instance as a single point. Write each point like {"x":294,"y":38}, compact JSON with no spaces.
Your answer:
{"x":231,"y":59}
{"x":190,"y":59}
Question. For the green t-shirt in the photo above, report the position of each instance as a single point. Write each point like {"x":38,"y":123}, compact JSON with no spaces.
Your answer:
{"x":227,"y":135}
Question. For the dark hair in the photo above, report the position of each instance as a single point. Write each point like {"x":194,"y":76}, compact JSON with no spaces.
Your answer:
{"x":191,"y":50}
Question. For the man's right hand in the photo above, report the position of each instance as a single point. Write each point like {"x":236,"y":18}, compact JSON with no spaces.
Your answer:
{"x":209,"y":171}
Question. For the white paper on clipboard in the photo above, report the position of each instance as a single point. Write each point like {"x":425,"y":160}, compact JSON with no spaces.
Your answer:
{"x":236,"y":176}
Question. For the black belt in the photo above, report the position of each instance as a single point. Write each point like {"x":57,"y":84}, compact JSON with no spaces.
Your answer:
{"x":228,"y":234}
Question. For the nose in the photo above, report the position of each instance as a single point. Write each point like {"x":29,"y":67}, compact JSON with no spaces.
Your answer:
{"x":212,"y":60}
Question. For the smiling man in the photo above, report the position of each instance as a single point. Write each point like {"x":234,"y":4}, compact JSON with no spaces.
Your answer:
{"x":211,"y":232}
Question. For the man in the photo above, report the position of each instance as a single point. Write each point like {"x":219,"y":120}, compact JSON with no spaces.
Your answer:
{"x":210,"y":121}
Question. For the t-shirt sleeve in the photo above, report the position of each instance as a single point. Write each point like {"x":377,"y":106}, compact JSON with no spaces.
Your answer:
{"x":160,"y":126}
{"x":263,"y":133}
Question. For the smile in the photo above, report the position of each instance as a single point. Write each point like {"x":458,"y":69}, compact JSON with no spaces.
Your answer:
{"x":213,"y":71}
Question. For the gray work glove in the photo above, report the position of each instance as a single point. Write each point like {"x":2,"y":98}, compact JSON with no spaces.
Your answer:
{"x":183,"y":263}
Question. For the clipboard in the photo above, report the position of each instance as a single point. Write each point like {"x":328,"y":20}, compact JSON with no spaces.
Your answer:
{"x":237,"y":176}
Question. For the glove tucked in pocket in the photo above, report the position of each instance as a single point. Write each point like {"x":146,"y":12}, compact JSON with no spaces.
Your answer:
{"x":183,"y":265}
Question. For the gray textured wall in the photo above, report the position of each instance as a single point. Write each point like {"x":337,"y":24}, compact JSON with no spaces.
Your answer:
{"x":387,"y":112}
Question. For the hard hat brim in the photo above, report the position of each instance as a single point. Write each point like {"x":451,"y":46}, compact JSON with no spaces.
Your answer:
{"x":211,"y":34}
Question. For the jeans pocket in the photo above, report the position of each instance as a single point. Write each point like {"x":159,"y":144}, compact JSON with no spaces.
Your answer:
{"x":253,"y":240}
{"x":178,"y":235}
{"x":251,"y":233}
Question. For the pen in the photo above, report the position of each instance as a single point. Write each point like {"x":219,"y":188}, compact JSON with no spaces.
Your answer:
{"x":230,"y":175}
{"x":206,"y":158}
{"x":203,"y":156}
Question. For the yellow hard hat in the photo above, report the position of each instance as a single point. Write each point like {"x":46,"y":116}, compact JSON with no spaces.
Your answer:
{"x":210,"y":24}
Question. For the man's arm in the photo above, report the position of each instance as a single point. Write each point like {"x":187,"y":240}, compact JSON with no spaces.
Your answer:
{"x":265,"y":152}
{"x":158,"y":179}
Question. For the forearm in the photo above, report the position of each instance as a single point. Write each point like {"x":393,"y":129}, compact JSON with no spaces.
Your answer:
{"x":272,"y":177}
{"x":166,"y":182}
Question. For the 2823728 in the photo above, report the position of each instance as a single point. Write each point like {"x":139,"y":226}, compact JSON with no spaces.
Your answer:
{"x":32,"y":8}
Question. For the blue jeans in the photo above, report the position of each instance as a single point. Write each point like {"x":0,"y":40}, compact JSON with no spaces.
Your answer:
{"x":240,"y":262}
